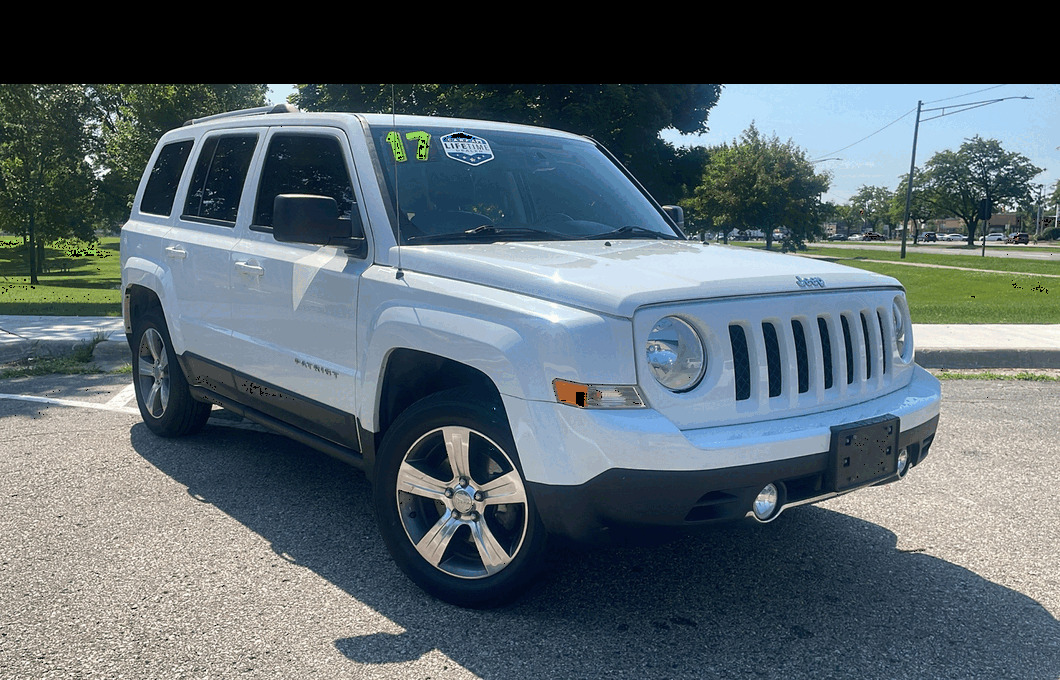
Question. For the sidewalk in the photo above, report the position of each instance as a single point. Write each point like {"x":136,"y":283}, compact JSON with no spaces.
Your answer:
{"x":937,"y":346}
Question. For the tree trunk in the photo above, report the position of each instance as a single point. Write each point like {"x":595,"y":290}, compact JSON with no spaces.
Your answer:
{"x":32,"y":251}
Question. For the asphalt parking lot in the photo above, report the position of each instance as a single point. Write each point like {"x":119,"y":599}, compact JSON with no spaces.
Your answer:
{"x":236,"y":553}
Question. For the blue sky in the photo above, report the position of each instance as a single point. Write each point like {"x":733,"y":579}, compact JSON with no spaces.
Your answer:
{"x":869,"y":128}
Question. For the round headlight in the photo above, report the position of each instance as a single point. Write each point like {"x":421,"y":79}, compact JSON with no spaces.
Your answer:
{"x":899,"y":327}
{"x":675,"y":354}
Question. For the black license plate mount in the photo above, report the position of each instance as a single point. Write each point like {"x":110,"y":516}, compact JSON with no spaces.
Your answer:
{"x":863,"y":453}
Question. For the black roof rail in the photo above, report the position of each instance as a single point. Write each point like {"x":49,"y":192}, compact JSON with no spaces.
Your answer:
{"x":257,"y":111}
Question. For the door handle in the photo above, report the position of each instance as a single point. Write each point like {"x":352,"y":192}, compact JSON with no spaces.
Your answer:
{"x":251,"y":268}
{"x":176,"y":252}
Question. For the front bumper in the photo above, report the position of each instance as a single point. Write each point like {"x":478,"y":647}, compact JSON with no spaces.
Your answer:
{"x":641,"y":499}
{"x":592,"y":471}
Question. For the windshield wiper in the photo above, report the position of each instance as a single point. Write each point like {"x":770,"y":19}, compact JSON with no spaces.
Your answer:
{"x":487,"y":232}
{"x":632,"y":230}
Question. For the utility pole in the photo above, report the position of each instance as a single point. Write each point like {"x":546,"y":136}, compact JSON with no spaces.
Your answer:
{"x":916,"y":130}
{"x":912,"y":169}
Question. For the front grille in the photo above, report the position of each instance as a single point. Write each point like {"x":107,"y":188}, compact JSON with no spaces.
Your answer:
{"x":862,"y":336}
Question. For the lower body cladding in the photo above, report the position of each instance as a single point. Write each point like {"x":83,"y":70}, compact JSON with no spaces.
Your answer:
{"x":651,"y":481}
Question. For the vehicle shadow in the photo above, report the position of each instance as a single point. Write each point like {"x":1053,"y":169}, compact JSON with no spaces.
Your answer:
{"x":815,"y":594}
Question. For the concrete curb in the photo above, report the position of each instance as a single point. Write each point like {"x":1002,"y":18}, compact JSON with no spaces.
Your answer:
{"x":988,"y":358}
{"x":108,"y":355}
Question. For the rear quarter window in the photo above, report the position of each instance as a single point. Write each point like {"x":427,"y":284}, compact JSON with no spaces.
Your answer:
{"x":161,"y":190}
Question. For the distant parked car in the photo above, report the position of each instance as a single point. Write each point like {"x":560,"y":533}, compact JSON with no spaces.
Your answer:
{"x":930,"y":236}
{"x":873,"y":236}
{"x":1019,"y":237}
{"x":854,"y":237}
{"x":955,"y":237}
{"x":837,"y":237}
{"x":998,"y":236}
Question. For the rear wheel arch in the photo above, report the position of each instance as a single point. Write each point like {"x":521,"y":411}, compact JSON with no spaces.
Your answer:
{"x":140,"y":300}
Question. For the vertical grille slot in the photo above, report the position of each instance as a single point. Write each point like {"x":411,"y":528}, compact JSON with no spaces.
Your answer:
{"x":868,"y":346}
{"x":886,"y":344}
{"x":826,"y":351}
{"x":769,"y":333}
{"x":850,"y":349}
{"x":741,"y":365}
{"x":801,"y":358}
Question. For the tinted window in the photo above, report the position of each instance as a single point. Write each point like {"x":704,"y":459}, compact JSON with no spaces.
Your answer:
{"x":161,"y":187}
{"x":219,"y":176}
{"x":303,"y":164}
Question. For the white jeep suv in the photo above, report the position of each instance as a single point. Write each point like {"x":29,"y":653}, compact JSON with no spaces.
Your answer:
{"x":506,"y":333}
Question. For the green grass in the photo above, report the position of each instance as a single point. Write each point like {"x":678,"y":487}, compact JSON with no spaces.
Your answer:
{"x":956,"y":296}
{"x":81,"y":280}
{"x":991,"y":375}
{"x":941,"y":295}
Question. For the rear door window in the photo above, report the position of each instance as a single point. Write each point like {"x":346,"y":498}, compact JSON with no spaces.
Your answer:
{"x":220,"y":173}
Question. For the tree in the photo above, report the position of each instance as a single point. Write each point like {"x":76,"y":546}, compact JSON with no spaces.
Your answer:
{"x":920,"y":210}
{"x":132,"y":117}
{"x":955,"y":182}
{"x":870,"y":207}
{"x":761,"y":183}
{"x":627,"y":119}
{"x":47,"y":183}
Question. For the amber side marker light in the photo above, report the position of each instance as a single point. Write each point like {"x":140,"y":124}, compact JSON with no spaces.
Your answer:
{"x":584,"y":395}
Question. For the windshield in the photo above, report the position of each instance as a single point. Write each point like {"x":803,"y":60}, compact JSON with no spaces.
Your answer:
{"x":468,"y":185}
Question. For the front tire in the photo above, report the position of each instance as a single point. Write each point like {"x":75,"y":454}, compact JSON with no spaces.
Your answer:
{"x":452,"y":504}
{"x":162,"y":393}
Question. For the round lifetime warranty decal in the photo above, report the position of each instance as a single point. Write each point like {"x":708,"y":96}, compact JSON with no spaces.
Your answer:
{"x":466,"y":148}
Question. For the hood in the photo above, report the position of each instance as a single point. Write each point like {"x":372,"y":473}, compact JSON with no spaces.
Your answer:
{"x":616,"y":277}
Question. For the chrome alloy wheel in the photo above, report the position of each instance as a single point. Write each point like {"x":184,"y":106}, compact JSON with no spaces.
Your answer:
{"x":153,"y":368}
{"x":462,"y":502}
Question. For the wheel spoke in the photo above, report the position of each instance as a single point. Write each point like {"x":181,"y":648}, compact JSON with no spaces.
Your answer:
{"x":153,"y":400}
{"x":433,"y":544}
{"x":154,"y":344}
{"x":411,"y":480}
{"x":493,"y":556}
{"x":146,"y":368}
{"x":507,"y":488}
{"x":457,"y":440}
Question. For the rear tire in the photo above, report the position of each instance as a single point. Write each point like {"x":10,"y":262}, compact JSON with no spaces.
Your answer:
{"x":452,"y":504}
{"x":162,"y":393}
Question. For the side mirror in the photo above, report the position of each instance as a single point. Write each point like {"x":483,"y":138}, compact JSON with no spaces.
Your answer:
{"x":677,"y":214}
{"x":302,"y":218}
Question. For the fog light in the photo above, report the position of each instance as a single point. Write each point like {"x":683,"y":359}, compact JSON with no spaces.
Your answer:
{"x":766,"y":502}
{"x":903,"y":462}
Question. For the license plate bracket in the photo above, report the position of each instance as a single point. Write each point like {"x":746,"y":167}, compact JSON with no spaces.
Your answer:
{"x":863,"y":453}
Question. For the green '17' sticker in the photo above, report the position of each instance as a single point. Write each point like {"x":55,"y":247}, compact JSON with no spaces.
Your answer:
{"x":423,"y":144}
{"x":395,"y":144}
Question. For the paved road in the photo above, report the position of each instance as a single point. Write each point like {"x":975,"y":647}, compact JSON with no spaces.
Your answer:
{"x":239,"y":554}
{"x":993,"y":249}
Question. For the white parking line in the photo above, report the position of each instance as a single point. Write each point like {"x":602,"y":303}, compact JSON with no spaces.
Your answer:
{"x":122,"y":398}
{"x":70,"y":402}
